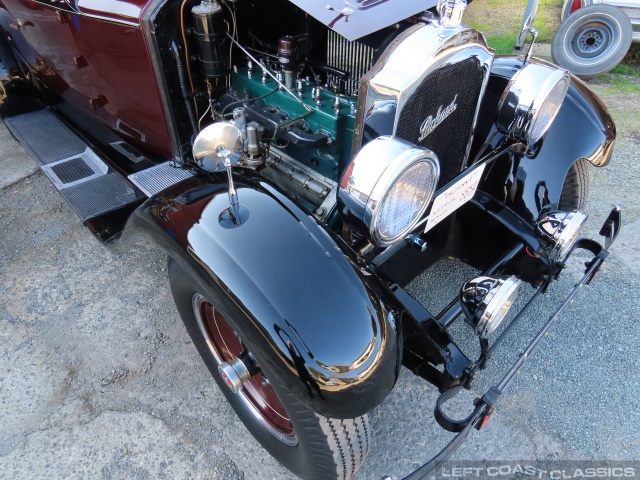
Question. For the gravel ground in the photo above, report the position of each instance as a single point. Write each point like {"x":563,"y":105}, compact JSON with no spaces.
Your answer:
{"x":99,"y":379}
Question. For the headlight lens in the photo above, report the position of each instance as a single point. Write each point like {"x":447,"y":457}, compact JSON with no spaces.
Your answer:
{"x":549,"y":109}
{"x":531,"y":101}
{"x":387,"y":188}
{"x":405,"y":202}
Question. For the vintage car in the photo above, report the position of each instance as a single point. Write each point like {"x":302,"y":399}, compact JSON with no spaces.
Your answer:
{"x":300,"y":162}
{"x":595,"y":35}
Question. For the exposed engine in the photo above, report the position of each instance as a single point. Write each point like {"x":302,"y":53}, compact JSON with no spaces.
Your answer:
{"x":306,"y":99}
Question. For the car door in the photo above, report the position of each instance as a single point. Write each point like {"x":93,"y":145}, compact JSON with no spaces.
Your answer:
{"x":39,"y":33}
{"x":93,"y":55}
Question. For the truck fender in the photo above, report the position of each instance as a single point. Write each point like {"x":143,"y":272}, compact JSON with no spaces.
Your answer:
{"x":583,"y":129}
{"x":295,"y":284}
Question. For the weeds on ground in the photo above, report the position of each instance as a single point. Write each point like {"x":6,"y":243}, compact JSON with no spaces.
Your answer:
{"x":620,"y":84}
{"x":504,"y":19}
{"x":623,"y":69}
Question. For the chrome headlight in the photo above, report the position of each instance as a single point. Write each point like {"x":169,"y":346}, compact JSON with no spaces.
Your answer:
{"x":387,"y":188}
{"x":531,"y":101}
{"x":558,"y":231}
{"x":486,"y":301}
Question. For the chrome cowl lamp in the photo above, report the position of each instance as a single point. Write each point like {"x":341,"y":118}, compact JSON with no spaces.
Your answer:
{"x":557,"y":232}
{"x":486,"y":301}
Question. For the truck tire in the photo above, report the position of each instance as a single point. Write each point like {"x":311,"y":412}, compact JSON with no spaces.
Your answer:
{"x":310,"y":445}
{"x":592,"y":40}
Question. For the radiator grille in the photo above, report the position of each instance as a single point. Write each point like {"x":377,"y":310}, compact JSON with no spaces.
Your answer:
{"x":461,"y":81}
{"x":353,"y":57}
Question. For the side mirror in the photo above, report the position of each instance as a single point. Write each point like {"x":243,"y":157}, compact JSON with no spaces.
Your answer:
{"x":215,"y":144}
{"x":217,"y":148}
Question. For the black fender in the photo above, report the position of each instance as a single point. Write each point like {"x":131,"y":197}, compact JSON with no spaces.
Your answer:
{"x":583,"y":129}
{"x":319,"y":320}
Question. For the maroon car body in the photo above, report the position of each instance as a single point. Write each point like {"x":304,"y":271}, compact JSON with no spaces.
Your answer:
{"x":98,"y":62}
{"x":287,"y":156}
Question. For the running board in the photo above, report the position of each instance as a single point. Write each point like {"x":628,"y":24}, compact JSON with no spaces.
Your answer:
{"x":155,"y":179}
{"x":82,"y":178}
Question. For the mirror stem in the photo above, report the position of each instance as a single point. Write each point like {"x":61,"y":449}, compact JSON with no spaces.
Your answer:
{"x":233,"y":195}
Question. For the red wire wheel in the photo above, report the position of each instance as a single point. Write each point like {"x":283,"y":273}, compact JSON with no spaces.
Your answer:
{"x":257,"y":393}
{"x":312,"y":446}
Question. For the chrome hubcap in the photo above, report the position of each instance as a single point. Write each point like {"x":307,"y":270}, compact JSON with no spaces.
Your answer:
{"x":250,"y":384}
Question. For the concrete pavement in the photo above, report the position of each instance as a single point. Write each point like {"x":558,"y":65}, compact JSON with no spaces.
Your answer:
{"x":99,"y":379}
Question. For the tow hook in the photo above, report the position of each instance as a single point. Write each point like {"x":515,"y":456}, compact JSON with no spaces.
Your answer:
{"x":238,"y":371}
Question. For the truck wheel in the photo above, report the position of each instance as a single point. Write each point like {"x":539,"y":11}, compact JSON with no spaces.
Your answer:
{"x":575,"y":189}
{"x":592,"y":40}
{"x":308,"y":444}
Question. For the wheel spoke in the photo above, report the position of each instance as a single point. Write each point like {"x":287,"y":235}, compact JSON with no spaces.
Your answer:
{"x":257,"y":392}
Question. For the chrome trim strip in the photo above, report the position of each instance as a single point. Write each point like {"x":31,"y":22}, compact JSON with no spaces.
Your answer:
{"x":75,"y":11}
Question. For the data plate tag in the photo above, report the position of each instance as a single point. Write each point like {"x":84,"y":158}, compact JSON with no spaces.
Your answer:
{"x":454,"y":197}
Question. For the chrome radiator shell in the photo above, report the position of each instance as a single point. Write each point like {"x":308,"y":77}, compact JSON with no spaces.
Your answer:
{"x":394,"y":83}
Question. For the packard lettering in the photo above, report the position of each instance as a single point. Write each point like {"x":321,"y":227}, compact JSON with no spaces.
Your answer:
{"x":430,"y":123}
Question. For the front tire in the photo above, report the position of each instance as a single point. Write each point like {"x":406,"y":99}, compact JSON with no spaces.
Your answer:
{"x":308,"y":444}
{"x":575,"y":189}
{"x":592,"y":40}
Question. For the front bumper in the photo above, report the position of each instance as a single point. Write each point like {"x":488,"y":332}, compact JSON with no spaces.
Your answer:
{"x":484,"y":405}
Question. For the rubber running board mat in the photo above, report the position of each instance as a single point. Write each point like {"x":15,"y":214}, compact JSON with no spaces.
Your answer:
{"x":81,"y":177}
{"x":101,"y":195}
{"x":45,"y":137}
{"x":155,"y":179}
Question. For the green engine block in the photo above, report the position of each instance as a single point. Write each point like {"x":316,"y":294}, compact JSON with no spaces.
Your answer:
{"x":325,"y":116}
